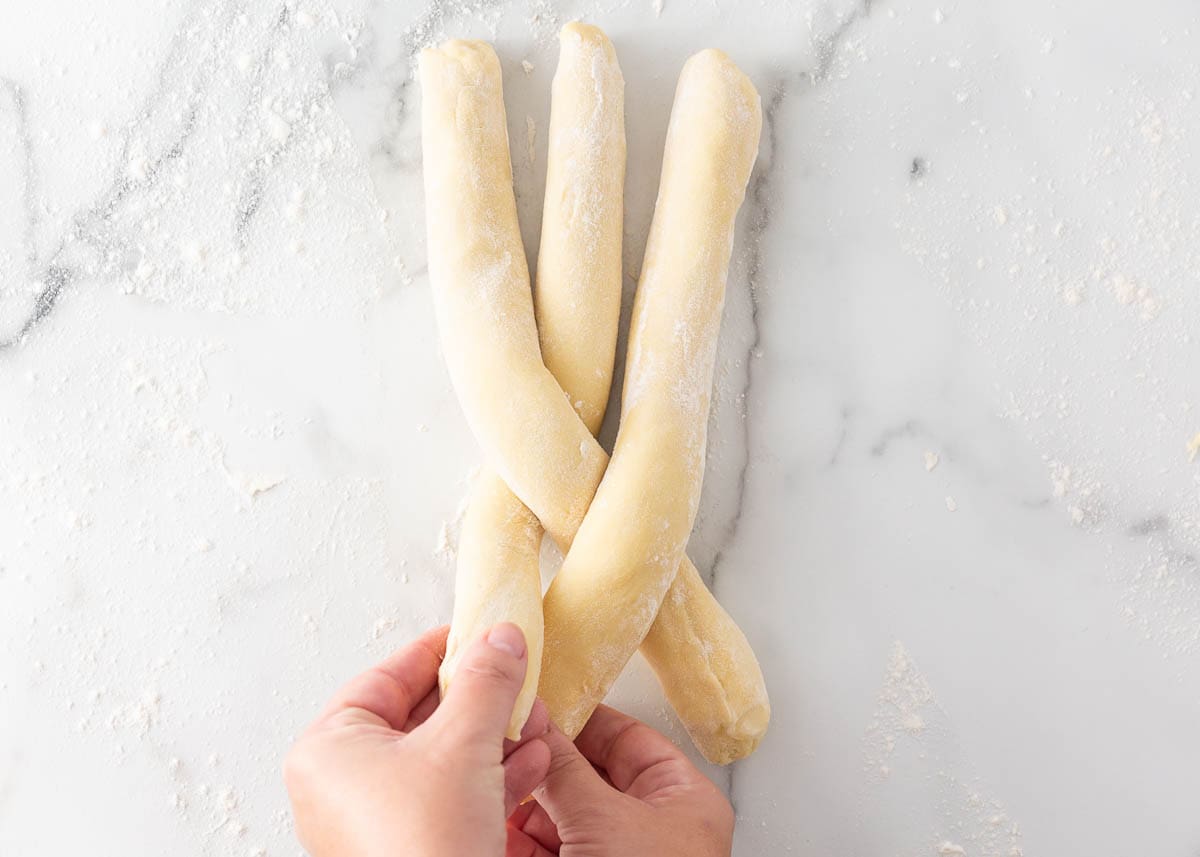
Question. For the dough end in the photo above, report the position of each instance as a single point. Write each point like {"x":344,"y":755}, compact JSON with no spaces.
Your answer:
{"x":737,"y":741}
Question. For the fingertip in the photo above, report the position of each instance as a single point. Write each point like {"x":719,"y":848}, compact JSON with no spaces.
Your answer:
{"x":500,"y":651}
{"x":562,"y":749}
{"x":524,"y":769}
{"x":396,"y":685}
{"x":535,"y":726}
{"x":480,"y":698}
{"x":538,"y":759}
{"x":520,"y":844}
{"x":624,"y":746}
{"x":538,"y":722}
{"x":508,"y":638}
{"x":434,"y":640}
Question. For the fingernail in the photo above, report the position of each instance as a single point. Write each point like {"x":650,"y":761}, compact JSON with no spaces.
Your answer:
{"x":507,"y":638}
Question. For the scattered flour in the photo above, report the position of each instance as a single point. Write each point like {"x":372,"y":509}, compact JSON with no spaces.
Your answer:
{"x":895,"y":751}
{"x":252,"y":485}
{"x":1074,"y":284}
{"x":117,"y":493}
{"x":445,"y":548}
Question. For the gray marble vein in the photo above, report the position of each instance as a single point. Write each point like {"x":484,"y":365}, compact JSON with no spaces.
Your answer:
{"x":28,"y":170}
{"x":256,"y":173}
{"x":29,"y":177}
{"x":164,"y":124}
{"x":758,"y":214}
{"x":826,"y":47}
{"x":91,"y":225}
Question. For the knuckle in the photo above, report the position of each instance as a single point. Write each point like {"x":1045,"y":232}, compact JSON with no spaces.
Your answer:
{"x":720,"y":815}
{"x":486,"y":670}
{"x":296,"y":765}
{"x":725,"y":814}
{"x":444,"y":759}
{"x":566,"y":764}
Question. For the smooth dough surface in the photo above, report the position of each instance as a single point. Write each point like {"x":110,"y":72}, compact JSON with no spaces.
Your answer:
{"x":527,"y":427}
{"x":577,"y":293}
{"x":519,"y":414}
{"x":497,"y":579}
{"x":613,"y":580}
{"x":578,"y":298}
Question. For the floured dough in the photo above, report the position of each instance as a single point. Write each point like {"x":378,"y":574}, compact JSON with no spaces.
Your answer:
{"x":624,"y":557}
{"x":578,"y":303}
{"x":497,"y":579}
{"x":528,"y":428}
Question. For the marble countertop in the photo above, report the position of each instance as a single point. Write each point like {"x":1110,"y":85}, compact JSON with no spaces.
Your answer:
{"x":950,"y":494}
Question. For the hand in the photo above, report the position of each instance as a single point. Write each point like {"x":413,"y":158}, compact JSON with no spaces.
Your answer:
{"x":386,"y":770}
{"x":654,"y":801}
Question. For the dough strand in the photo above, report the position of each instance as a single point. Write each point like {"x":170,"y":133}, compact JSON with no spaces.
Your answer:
{"x":578,"y":302}
{"x":613,"y":580}
{"x":529,"y":430}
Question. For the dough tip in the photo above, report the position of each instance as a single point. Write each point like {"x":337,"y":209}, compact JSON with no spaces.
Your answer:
{"x":474,"y":58}
{"x":584,"y":32}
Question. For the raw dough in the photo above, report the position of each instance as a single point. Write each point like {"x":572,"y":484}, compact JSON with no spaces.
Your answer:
{"x":527,"y":427}
{"x":578,"y":303}
{"x":613,"y":580}
{"x":577,"y":296}
{"x":497,"y":579}
{"x":517,"y":411}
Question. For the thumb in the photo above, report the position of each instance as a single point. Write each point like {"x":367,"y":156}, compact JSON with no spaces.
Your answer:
{"x":571,"y":787}
{"x":480,"y":699}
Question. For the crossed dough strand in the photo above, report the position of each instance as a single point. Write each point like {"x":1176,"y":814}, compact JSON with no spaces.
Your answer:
{"x":578,"y":306}
{"x":517,"y":411}
{"x":613,"y":580}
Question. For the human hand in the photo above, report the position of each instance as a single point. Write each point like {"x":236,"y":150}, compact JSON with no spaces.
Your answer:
{"x":657,"y":803}
{"x":385,"y":769}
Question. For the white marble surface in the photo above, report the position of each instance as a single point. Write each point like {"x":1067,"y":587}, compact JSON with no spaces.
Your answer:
{"x":232,"y":462}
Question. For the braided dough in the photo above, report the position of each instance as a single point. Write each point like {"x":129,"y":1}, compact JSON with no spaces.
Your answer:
{"x":578,"y":305}
{"x":527,"y":427}
{"x":624,"y":557}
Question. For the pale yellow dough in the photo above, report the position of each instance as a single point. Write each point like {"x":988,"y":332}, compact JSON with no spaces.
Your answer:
{"x":624,"y":557}
{"x":578,"y":305}
{"x":497,"y":579}
{"x":528,"y":428}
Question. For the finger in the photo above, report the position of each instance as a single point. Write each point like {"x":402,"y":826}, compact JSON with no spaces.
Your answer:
{"x":627,"y":748}
{"x":571,"y":786}
{"x":520,"y":844}
{"x":531,"y":819}
{"x":524,"y":769}
{"x":480,"y":700}
{"x":392,"y":688}
{"x":535,"y":727}
{"x":520,"y":815}
{"x":422,"y":711}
